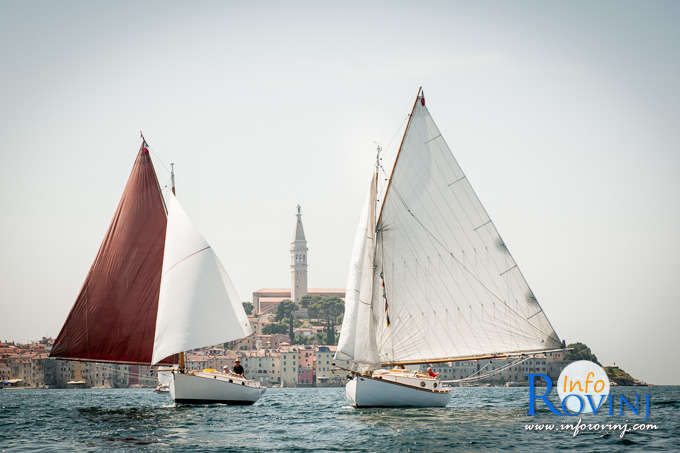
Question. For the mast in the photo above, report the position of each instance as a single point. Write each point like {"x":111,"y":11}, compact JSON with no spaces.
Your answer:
{"x":172,"y":177}
{"x":172,"y":187}
{"x":377,"y":169}
{"x":389,"y":181}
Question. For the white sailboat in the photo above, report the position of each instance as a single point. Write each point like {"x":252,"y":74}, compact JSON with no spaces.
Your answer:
{"x":155,"y":290}
{"x":198,"y":306}
{"x":430,"y":279}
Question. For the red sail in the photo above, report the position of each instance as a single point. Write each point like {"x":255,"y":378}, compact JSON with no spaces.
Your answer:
{"x":114,"y":316}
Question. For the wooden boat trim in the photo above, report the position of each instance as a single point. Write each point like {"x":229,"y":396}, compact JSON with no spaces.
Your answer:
{"x":402,"y":384}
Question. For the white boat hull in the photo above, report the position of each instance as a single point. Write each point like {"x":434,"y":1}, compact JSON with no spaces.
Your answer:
{"x":364,"y":391}
{"x":209,"y":388}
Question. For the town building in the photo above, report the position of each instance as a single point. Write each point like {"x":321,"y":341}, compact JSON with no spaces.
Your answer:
{"x":330,"y":372}
{"x":267,"y":300}
{"x":264,"y":366}
{"x":289,"y":366}
{"x":306,"y":366}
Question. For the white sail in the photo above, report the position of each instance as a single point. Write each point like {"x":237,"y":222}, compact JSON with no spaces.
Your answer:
{"x":198,"y":305}
{"x":357,"y":337}
{"x":452,"y":288}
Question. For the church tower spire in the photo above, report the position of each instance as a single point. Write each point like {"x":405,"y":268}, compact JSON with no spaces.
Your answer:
{"x":298,"y":260}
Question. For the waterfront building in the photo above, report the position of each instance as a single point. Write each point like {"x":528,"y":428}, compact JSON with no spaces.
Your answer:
{"x":289,"y":366}
{"x":327,"y":374}
{"x":216,"y":359}
{"x":263,"y":366}
{"x":306,"y":366}
{"x":550,"y":364}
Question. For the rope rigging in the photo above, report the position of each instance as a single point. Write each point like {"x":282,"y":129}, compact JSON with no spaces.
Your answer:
{"x":473,"y":376}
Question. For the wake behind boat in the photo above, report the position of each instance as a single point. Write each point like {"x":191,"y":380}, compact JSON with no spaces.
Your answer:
{"x":430,"y":279}
{"x":155,"y":290}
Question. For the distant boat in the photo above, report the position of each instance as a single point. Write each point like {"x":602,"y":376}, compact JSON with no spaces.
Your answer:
{"x":164,"y":380}
{"x":155,"y":290}
{"x":76,"y":384}
{"x":430,"y":279}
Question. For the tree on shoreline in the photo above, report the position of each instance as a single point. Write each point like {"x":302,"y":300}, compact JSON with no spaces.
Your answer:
{"x":330,"y":309}
{"x":579,"y":351}
{"x":286,"y":309}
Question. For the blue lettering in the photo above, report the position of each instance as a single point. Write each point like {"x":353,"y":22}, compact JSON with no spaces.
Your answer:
{"x":564,"y":404}
{"x":544,"y":397}
{"x":592,"y":406}
{"x":648,"y":400}
{"x":635,"y":409}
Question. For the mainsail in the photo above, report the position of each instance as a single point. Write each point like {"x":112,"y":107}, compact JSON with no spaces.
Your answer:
{"x":156,"y":288}
{"x":444,"y":283}
{"x":114,"y":316}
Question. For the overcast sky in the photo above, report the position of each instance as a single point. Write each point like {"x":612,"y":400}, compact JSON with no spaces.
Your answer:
{"x":565,"y":117}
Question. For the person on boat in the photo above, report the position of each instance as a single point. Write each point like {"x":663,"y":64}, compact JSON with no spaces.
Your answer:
{"x":238,"y":369}
{"x":401,"y":367}
{"x":226,"y":369}
{"x":431,"y":373}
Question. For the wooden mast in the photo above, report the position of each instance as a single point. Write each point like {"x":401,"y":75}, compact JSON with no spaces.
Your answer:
{"x":172,"y":187}
{"x":389,"y":181}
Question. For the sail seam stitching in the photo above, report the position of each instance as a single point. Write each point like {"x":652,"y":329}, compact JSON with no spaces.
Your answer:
{"x":482,"y":225}
{"x":507,"y":270}
{"x":433,"y":138}
{"x":457,"y":180}
{"x":186,"y":258}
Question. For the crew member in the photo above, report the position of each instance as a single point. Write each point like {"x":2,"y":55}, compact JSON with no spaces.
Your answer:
{"x":430,"y":372}
{"x":238,"y":369}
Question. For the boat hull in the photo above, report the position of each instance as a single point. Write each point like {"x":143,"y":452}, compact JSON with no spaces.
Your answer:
{"x":205,"y":388}
{"x":364,"y":391}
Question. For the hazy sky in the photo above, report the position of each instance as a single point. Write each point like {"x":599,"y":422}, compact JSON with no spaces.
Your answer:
{"x":565,"y":118}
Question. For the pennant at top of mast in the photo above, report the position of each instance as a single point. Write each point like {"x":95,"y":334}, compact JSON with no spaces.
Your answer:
{"x":145,"y":146}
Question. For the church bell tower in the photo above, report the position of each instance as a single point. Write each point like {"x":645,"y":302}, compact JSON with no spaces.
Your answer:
{"x":298,"y":261}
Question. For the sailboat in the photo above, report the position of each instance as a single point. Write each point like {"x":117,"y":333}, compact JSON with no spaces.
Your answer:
{"x":164,"y":379}
{"x":430,"y":279}
{"x":156,"y":289}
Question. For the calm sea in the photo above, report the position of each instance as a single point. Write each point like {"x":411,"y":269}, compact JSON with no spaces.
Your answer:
{"x":477,"y":419}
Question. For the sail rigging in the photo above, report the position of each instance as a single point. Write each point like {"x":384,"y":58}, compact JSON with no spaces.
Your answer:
{"x":451,"y":288}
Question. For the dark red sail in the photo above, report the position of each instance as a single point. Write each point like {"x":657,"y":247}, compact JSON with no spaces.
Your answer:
{"x":114,"y":316}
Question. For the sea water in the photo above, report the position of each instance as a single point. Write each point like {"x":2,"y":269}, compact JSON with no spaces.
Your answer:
{"x":316,"y":419}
